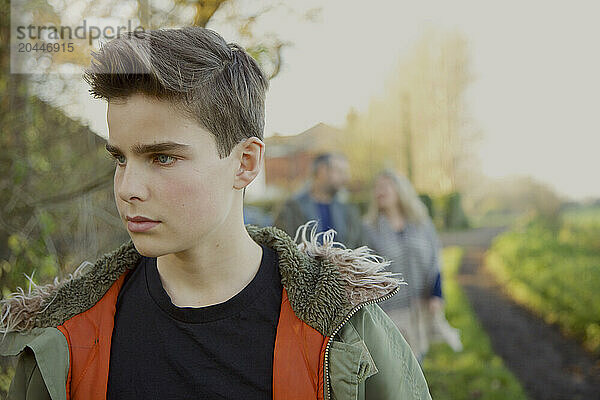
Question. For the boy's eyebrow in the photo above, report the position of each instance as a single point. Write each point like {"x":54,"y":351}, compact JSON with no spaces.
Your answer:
{"x":149,"y":148}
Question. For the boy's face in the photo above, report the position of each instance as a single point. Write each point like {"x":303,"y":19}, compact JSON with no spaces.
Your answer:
{"x":188,"y":190}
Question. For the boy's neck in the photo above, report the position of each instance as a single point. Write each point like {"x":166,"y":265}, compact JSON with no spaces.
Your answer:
{"x":212,"y":272}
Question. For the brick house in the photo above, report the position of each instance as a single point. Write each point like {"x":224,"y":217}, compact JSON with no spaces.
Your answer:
{"x":288,"y":157}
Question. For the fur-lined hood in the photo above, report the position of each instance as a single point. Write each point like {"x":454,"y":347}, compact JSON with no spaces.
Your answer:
{"x":324,"y":282}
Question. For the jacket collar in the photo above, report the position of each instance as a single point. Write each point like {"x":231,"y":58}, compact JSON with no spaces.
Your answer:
{"x":324,"y":282}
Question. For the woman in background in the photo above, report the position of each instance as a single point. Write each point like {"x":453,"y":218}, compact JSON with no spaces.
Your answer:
{"x":398,"y":228}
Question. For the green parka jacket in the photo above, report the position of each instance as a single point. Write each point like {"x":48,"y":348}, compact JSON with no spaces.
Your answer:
{"x":331,"y":289}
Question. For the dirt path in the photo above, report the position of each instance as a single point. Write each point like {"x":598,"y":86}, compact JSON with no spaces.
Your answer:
{"x":549,"y":366}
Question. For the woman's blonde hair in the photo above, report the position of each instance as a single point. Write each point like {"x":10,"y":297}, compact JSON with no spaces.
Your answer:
{"x":409,"y":203}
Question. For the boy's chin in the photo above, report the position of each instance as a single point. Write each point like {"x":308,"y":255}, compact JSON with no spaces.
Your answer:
{"x":148,"y":247}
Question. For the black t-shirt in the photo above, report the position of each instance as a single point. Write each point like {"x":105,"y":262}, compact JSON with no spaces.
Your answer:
{"x":222,"y":351}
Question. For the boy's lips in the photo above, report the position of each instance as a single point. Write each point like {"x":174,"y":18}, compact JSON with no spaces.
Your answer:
{"x":140,"y":224}
{"x":139,"y":218}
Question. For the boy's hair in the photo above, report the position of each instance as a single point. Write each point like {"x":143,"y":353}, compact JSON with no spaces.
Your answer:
{"x":217,"y":84}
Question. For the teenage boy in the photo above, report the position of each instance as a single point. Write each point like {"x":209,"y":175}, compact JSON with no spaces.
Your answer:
{"x":196,"y":304}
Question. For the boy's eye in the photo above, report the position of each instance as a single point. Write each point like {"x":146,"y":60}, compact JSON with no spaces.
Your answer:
{"x":164,"y":159}
{"x":120,"y":159}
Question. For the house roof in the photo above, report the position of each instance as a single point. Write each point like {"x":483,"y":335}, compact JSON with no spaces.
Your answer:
{"x":321,"y":137}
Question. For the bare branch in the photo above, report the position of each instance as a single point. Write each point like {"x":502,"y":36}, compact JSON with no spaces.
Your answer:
{"x":205,"y":9}
{"x":59,"y":198}
{"x":278,"y":60}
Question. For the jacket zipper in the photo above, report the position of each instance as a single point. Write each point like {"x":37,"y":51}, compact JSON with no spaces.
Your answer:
{"x":352,"y":312}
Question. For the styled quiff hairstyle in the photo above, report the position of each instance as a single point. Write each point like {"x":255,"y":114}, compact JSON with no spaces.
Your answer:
{"x":215,"y":83}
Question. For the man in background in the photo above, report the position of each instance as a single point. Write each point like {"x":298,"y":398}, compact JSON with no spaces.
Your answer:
{"x":321,"y":200}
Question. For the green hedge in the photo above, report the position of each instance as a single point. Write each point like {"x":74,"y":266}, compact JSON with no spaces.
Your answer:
{"x":554,"y":273}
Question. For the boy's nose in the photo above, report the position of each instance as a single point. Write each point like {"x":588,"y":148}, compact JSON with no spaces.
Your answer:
{"x":131,"y":185}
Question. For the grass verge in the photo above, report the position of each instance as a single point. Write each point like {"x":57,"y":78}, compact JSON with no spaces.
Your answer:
{"x":476,"y":372}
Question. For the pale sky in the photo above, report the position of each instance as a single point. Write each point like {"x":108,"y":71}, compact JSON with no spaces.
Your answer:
{"x":535,"y":64}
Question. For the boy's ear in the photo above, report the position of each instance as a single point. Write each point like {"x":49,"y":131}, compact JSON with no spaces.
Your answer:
{"x":251,"y":152}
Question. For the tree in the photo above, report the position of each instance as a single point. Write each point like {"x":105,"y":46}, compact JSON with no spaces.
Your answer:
{"x":420,"y":125}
